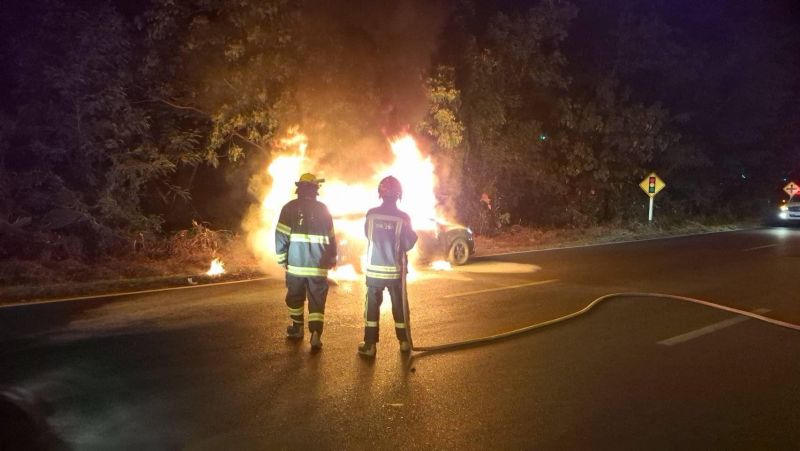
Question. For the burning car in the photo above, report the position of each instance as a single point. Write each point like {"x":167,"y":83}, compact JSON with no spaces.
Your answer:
{"x":450,"y":242}
{"x":349,"y":200}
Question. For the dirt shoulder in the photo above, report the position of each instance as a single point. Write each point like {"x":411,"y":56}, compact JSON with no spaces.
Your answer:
{"x":137,"y":274}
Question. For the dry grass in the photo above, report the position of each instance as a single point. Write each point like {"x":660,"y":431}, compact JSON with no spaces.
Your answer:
{"x":152,"y":263}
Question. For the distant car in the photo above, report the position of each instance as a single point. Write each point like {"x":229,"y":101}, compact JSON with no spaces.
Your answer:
{"x":789,"y":212}
{"x":450,"y":242}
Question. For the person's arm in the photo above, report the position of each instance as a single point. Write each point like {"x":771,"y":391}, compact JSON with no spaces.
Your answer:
{"x":282,"y":233}
{"x":408,"y":237}
{"x":329,"y":257}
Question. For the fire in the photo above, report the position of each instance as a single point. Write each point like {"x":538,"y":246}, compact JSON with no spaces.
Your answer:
{"x":441,"y":265}
{"x":345,"y":273}
{"x":347,"y":202}
{"x":217,"y":268}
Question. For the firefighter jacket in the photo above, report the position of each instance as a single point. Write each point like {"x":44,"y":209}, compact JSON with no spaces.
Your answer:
{"x":390,"y":236}
{"x":304,"y":238}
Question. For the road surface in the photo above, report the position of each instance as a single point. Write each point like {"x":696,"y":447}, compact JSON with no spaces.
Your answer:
{"x":209,"y":368}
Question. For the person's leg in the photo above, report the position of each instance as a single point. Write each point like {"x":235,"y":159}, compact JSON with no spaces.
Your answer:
{"x":295,"y":300}
{"x":372,"y":314}
{"x":400,"y":322}
{"x":317,"y":295}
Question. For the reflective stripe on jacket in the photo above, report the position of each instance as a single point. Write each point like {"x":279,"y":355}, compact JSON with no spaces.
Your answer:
{"x":390,"y":235}
{"x":304,"y":238}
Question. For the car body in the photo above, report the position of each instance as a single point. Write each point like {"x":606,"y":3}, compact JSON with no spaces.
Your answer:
{"x":442,"y":241}
{"x":789,"y":211}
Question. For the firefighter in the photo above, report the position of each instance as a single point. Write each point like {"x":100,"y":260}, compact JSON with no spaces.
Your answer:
{"x":390,"y":236}
{"x":306,"y":247}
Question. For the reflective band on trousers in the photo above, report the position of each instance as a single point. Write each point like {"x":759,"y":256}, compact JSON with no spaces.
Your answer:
{"x":371,"y":323}
{"x":306,"y":272}
{"x":400,"y":325}
{"x":295,"y":311}
{"x":383,"y":268}
{"x":303,"y":238}
{"x":380,"y":275}
{"x":284,"y":229}
{"x":316,"y":317}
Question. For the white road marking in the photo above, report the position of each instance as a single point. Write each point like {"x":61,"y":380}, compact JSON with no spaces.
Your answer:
{"x":759,"y":247}
{"x":510,"y":287}
{"x":130,"y":293}
{"x":708,"y":329}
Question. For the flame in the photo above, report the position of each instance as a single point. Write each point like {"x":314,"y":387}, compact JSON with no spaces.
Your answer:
{"x":217,"y":268}
{"x":441,"y":265}
{"x":347,"y":202}
{"x":344,"y":273}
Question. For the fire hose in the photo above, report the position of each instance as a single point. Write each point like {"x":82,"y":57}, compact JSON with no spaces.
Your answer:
{"x":522,"y":330}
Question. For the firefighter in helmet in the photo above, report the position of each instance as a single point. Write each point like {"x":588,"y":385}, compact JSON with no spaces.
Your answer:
{"x":306,"y":247}
{"x":390,"y":236}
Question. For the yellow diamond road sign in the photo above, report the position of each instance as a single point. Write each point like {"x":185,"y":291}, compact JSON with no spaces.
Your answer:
{"x":651,"y":184}
{"x":792,"y":189}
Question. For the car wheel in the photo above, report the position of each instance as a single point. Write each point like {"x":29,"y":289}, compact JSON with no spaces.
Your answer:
{"x":459,"y":252}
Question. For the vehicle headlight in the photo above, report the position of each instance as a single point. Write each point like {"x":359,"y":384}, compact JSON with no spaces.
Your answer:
{"x":784,"y":208}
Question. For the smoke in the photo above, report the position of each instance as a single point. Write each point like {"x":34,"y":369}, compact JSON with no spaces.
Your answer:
{"x":363,"y":79}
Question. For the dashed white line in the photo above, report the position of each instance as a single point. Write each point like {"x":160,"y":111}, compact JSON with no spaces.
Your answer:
{"x":707,"y":330}
{"x":509,"y":287}
{"x":759,"y":247}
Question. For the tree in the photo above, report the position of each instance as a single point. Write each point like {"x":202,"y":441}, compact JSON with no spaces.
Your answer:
{"x":78,"y":148}
{"x":510,"y":75}
{"x":605,"y":144}
{"x":218,"y":70}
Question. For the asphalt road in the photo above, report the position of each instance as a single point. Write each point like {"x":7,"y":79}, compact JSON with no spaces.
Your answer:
{"x":209,"y":368}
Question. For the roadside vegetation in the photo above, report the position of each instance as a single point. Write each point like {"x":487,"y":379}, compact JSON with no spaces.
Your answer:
{"x":129,"y":132}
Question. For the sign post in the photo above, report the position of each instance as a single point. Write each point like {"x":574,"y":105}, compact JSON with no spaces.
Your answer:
{"x":651,"y":185}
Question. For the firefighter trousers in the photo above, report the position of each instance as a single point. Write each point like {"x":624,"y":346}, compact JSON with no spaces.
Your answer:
{"x":313,"y":288}
{"x":372,"y":310}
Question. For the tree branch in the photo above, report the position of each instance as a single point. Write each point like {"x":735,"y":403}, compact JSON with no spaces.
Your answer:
{"x":173,"y":105}
{"x":239,"y":135}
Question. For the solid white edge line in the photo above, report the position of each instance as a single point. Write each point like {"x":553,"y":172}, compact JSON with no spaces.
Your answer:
{"x":509,"y":287}
{"x":611,"y":243}
{"x":129,"y":293}
{"x":708,"y":329}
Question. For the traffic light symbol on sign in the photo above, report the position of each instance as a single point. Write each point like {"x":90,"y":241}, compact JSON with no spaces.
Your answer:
{"x":651,"y":184}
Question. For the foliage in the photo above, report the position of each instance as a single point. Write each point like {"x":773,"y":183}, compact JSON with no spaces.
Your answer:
{"x":78,"y":149}
{"x":509,"y":75}
{"x":444,"y":100}
{"x":554,"y":113}
{"x":218,"y":70}
{"x":605,"y":143}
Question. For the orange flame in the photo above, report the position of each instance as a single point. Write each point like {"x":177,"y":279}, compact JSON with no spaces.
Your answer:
{"x":217,"y":268}
{"x":441,"y":265}
{"x":347,"y":202}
